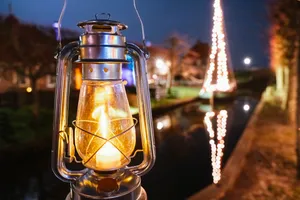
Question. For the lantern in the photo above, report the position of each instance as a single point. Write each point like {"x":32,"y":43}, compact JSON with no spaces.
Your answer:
{"x":104,"y":130}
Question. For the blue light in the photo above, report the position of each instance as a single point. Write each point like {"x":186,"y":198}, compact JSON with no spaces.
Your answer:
{"x":128,"y":71}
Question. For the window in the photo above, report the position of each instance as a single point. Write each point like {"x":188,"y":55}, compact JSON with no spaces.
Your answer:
{"x":23,"y":81}
{"x":50,"y":81}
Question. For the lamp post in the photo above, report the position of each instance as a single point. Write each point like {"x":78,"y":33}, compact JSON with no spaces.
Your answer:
{"x":104,"y":135}
{"x":247,"y":61}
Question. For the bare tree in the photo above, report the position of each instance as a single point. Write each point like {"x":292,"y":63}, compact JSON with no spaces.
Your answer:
{"x":195,"y":60}
{"x":27,"y":50}
{"x":178,"y":46}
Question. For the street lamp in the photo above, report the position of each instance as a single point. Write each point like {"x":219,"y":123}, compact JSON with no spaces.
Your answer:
{"x":28,"y":89}
{"x":162,"y":66}
{"x":246,"y":107}
{"x":104,"y":128}
{"x":247,"y":61}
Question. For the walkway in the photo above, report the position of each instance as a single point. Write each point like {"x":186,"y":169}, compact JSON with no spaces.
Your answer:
{"x":270,"y":169}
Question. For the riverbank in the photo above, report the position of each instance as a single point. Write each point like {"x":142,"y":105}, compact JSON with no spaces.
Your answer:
{"x":270,"y":168}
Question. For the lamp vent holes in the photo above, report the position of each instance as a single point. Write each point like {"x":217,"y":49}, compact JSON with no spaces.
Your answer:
{"x":102,"y":28}
{"x":105,"y":69}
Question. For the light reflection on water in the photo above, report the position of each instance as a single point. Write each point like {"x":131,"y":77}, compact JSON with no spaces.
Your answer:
{"x":216,"y":139}
{"x":184,"y":155}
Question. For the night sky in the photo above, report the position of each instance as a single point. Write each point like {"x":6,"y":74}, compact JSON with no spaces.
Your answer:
{"x":246,"y":20}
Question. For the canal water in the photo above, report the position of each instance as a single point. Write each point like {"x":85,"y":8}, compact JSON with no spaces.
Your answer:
{"x":193,"y":144}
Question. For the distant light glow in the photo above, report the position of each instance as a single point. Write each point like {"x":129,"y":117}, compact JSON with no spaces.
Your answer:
{"x":162,"y":66}
{"x":247,"y":61}
{"x":55,"y":25}
{"x":246,"y":107}
{"x":168,"y":63}
{"x":159,"y":63}
{"x":159,"y":125}
{"x":28,"y":89}
{"x":128,"y":75}
{"x":148,"y":44}
{"x":163,"y":122}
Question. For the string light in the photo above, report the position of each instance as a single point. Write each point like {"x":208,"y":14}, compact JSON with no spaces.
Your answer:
{"x":216,"y":149}
{"x":217,"y":76}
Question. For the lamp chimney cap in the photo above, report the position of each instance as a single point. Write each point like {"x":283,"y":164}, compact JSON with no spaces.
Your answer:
{"x":102,"y":22}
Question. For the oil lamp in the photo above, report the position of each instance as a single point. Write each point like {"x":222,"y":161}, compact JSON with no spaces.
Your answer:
{"x":104,"y":134}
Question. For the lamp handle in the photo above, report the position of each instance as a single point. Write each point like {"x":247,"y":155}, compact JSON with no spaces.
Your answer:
{"x":61,"y":108}
{"x":145,"y":112}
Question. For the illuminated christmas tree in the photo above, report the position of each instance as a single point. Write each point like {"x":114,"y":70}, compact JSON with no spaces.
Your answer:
{"x":219,"y":78}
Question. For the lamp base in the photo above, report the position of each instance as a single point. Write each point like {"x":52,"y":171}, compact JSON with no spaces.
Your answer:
{"x":138,"y":195}
{"x":121,"y":185}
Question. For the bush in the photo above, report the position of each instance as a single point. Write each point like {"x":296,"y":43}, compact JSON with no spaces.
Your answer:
{"x":20,"y":125}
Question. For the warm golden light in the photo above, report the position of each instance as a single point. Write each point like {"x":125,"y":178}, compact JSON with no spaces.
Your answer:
{"x":105,"y":134}
{"x":28,"y":89}
{"x":107,"y":156}
{"x":217,"y":75}
{"x":163,"y":122}
{"x":77,"y":78}
{"x":216,"y":149}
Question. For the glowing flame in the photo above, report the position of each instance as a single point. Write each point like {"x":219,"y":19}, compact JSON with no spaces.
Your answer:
{"x":108,"y":156}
